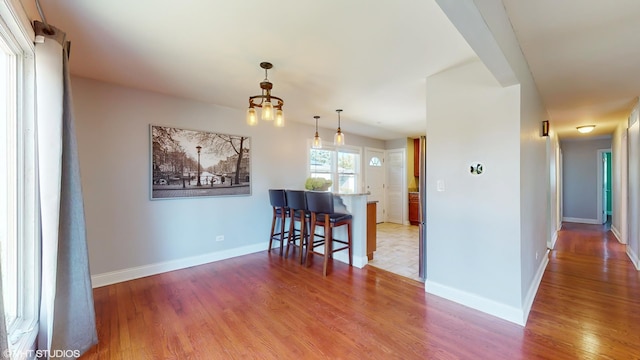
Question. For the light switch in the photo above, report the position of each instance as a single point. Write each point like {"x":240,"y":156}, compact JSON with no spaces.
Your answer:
{"x":440,"y":185}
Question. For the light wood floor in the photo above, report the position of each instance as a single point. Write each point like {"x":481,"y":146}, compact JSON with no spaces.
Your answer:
{"x":262,"y":306}
{"x":397,"y":249}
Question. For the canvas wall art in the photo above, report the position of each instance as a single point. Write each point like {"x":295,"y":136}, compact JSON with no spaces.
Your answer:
{"x":193,"y":163}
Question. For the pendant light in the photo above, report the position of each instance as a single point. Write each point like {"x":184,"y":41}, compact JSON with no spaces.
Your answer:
{"x":317,"y":142}
{"x":338,"y":138}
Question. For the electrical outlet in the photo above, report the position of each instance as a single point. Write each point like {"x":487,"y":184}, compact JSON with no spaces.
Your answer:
{"x":221,"y":238}
{"x":536,"y":255}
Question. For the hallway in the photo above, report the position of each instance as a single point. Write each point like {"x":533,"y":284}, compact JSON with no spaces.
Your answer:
{"x":589,"y":297}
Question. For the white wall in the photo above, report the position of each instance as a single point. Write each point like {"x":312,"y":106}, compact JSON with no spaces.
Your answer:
{"x":486,"y":26}
{"x":130,"y":235}
{"x":619,"y":182}
{"x":619,"y":222}
{"x":555,"y":177}
{"x":473,"y":227}
{"x":534,"y":174}
{"x":580,"y":178}
{"x":633,"y":247}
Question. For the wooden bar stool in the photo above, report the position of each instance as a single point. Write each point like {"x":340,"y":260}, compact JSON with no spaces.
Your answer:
{"x":297,"y":203}
{"x":320,"y":205}
{"x":280,"y":213}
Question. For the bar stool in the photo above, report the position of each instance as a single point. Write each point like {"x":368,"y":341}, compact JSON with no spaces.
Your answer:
{"x":280,"y":212}
{"x":320,"y":205}
{"x":297,"y":203}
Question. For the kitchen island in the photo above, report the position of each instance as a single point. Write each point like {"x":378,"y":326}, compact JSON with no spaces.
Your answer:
{"x":356,"y":205}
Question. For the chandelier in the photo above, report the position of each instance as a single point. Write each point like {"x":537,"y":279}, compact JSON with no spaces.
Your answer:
{"x":265,"y":103}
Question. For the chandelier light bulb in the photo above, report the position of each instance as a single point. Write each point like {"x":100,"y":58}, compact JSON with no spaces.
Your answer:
{"x":267,"y":111}
{"x":279,"y":118}
{"x":252,"y":118}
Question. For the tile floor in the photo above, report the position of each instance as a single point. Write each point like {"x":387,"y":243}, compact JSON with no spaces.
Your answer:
{"x":397,"y":249}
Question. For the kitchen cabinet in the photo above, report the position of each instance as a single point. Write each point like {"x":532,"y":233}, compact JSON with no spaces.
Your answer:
{"x":414,"y":211}
{"x":371,"y":229}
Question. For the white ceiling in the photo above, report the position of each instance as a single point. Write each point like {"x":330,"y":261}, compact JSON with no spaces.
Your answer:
{"x":584,"y":56}
{"x":370,"y":58}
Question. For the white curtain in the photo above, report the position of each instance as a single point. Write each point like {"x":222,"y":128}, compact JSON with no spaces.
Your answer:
{"x":4,"y":348}
{"x":67,"y":316}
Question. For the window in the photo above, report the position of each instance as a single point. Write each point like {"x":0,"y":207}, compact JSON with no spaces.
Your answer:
{"x":8,"y":243}
{"x":18,"y":220}
{"x":341,"y":166}
{"x":375,"y":161}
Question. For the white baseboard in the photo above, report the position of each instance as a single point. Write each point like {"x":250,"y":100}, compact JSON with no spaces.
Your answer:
{"x":533,"y":289}
{"x":137,"y":272}
{"x":617,"y":234}
{"x":474,"y":301}
{"x":554,"y":238}
{"x":634,"y":257}
{"x":358,"y":261}
{"x":581,"y":221}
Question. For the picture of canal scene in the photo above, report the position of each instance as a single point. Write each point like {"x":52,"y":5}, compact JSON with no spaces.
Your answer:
{"x":190,"y":163}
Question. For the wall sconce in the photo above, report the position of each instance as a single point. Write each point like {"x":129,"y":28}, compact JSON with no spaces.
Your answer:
{"x":545,"y":128}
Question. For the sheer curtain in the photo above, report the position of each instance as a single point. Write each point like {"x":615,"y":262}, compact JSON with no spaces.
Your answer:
{"x":67,"y":316}
{"x":4,"y":348}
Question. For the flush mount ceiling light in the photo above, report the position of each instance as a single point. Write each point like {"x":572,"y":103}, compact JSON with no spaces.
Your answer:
{"x":586,"y":128}
{"x":265,"y":102}
{"x":338,"y":138}
{"x":317,"y":142}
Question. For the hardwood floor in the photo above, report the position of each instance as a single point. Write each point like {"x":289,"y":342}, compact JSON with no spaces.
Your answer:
{"x":262,"y":306}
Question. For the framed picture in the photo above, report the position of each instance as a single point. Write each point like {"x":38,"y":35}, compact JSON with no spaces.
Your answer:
{"x":192,"y":163}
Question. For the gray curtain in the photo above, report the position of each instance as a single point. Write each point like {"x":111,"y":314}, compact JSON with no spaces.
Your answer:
{"x":74,"y":324}
{"x":73,"y":317}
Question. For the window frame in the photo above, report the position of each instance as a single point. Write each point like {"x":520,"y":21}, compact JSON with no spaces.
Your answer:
{"x":17,"y":34}
{"x":334,"y":172}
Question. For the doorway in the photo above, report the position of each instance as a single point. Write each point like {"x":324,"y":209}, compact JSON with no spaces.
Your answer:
{"x":396,"y":191}
{"x":397,"y":241}
{"x":604,"y":186}
{"x":374,"y":176}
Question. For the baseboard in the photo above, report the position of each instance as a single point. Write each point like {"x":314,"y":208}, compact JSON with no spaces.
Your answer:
{"x":476,"y":302}
{"x":581,"y":221}
{"x":533,"y":289}
{"x":343,"y":256}
{"x":617,"y":234}
{"x":634,"y":257}
{"x":137,"y":272}
{"x":554,"y":238}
